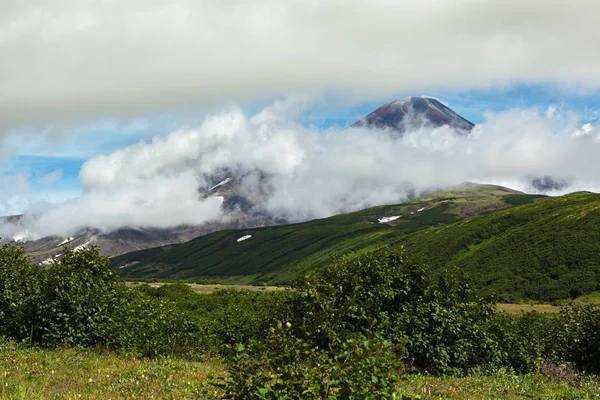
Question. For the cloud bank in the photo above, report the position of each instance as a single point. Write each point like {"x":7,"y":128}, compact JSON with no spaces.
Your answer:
{"x":302,"y":173}
{"x":72,"y":59}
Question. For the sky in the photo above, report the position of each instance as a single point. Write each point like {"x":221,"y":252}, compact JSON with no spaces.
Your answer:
{"x":93,"y":92}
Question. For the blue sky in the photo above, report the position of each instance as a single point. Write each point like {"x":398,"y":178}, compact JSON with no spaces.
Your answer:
{"x":36,"y":159}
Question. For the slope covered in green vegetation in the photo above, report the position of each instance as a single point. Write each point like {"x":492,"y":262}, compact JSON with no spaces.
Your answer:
{"x":540,"y":248}
{"x":277,"y":254}
{"x":546,"y":250}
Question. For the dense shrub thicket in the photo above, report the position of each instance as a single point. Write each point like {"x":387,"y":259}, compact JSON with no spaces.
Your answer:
{"x":389,"y":312}
{"x":345,"y":331}
{"x":79,"y":301}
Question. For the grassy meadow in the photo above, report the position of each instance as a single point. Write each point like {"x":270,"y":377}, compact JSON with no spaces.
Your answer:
{"x":69,"y":373}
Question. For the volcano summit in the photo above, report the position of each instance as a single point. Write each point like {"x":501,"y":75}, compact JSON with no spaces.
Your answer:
{"x":399,"y":115}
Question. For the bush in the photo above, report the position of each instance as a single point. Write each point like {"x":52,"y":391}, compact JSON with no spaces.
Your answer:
{"x":438,"y":317}
{"x":80,"y":300}
{"x":287,"y":366}
{"x":581,"y":336}
{"x":149,"y":327}
{"x":349,"y":326}
{"x":528,"y":341}
{"x":20,"y":285}
{"x":231,"y":316}
{"x":240,"y":315}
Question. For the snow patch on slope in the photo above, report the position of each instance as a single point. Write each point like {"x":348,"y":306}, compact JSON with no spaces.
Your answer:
{"x":82,"y":247}
{"x":385,"y":220}
{"x":246,"y":237}
{"x":50,"y":260}
{"x":223,"y":182}
{"x":67,"y":240}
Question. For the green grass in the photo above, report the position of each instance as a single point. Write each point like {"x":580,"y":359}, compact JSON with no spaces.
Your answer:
{"x":29,"y":373}
{"x":589,"y":298}
{"x":500,"y":385}
{"x":520,"y":199}
{"x":517,"y":308}
{"x":542,"y":249}
{"x":276,"y":255}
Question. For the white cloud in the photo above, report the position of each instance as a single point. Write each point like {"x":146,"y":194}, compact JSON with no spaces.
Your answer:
{"x":161,"y":201}
{"x":309,"y":173}
{"x":13,"y":184}
{"x":72,"y":59}
{"x":52,"y":177}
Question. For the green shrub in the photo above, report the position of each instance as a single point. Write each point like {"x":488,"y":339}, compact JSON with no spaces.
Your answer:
{"x":20,"y":284}
{"x":241,"y":315}
{"x":581,"y":336}
{"x":288,"y":367}
{"x":79,"y":301}
{"x":350,"y":325}
{"x":152,"y":327}
{"x":439,"y":317}
{"x":232,"y":316}
{"x":529,"y":340}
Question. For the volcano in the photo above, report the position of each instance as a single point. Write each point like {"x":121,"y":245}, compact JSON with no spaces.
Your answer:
{"x":399,"y":115}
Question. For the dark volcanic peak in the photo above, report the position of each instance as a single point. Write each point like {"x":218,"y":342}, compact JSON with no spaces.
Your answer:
{"x":414,"y":111}
{"x":548,"y":184}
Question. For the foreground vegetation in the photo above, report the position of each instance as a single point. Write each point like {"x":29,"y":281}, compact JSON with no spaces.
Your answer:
{"x":69,"y":373}
{"x":363,"y":328}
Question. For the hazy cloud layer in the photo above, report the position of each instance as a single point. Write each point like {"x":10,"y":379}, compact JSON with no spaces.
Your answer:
{"x":52,"y":177}
{"x":314,"y":173}
{"x":70,"y":59}
{"x":13,"y":184}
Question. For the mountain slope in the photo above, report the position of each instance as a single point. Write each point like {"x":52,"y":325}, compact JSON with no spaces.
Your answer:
{"x":398,"y":115}
{"x":277,"y":254}
{"x":540,"y":248}
{"x":547,"y":250}
{"x":128,"y":239}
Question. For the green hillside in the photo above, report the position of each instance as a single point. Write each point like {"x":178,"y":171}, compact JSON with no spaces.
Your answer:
{"x":546,"y":250}
{"x":275,"y":255}
{"x":521,"y":246}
